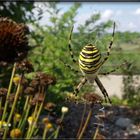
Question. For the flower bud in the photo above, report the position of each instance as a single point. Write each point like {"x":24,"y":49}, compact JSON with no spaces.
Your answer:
{"x":64,"y":109}
{"x":15,"y":133}
{"x":16,"y":80}
{"x":17,"y":117}
{"x":31,"y":120}
{"x":49,"y":125}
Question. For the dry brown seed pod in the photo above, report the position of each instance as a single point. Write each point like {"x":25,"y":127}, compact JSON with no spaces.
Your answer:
{"x":13,"y":41}
{"x":11,"y":97}
{"x":39,"y":97}
{"x":92,"y":98}
{"x":3,"y":91}
{"x":33,"y":102}
{"x":59,"y":122}
{"x":25,"y":66}
{"x":29,"y":91}
{"x":45,"y":120}
{"x":34,"y":83}
{"x":45,"y":79}
{"x":49,"y":106}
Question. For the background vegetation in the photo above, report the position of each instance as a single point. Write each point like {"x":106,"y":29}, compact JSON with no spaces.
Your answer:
{"x":50,"y":43}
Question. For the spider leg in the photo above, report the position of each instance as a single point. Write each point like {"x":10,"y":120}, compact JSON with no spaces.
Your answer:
{"x":69,"y":66}
{"x":113,"y":70}
{"x":69,"y":45}
{"x":104,"y":92}
{"x":110,"y":45}
{"x":80,"y":85}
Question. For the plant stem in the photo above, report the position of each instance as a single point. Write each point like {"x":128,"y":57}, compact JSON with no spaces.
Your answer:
{"x":13,"y":107}
{"x":24,"y":110}
{"x":21,"y":126}
{"x":0,"y":106}
{"x":33,"y":123}
{"x":38,"y":111}
{"x":58,"y":128}
{"x":82,"y":120}
{"x":45,"y":132}
{"x":96,"y":132}
{"x":29,"y":129}
{"x":86,"y":123}
{"x":9,"y":90}
{"x":26,"y":103}
{"x":36,"y":119}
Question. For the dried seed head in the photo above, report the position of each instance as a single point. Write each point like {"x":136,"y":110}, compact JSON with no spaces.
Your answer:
{"x":3,"y":92}
{"x":39,"y":97}
{"x":11,"y":98}
{"x":49,"y":106}
{"x":15,"y":133}
{"x":59,"y":122}
{"x":25,"y":66}
{"x":29,"y":91}
{"x":45,"y":120}
{"x":45,"y":79}
{"x":34,"y":83}
{"x":13,"y":41}
{"x":92,"y":98}
{"x":33,"y":102}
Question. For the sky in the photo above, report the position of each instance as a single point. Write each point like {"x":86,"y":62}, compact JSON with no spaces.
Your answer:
{"x":125,"y":14}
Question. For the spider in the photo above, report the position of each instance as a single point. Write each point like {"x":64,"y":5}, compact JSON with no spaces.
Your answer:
{"x":90,"y":62}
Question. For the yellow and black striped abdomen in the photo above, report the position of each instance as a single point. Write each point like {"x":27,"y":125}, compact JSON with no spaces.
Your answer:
{"x":90,"y":59}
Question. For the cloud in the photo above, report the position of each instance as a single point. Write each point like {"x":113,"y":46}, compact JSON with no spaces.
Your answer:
{"x":119,"y":12}
{"x":81,"y":18}
{"x":131,"y":25}
{"x":107,"y":14}
{"x":137,"y":12}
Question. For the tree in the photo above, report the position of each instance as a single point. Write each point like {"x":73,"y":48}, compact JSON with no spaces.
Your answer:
{"x":18,"y":11}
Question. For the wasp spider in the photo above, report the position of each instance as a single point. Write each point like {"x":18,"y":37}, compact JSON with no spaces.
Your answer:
{"x":90,"y":62}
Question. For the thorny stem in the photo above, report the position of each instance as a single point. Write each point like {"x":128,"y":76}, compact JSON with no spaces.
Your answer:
{"x":86,"y":123}
{"x":8,"y":93}
{"x":82,"y":120}
{"x":13,"y":106}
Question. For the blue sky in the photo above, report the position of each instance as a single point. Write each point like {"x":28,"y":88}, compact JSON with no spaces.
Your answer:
{"x":126,"y":15}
